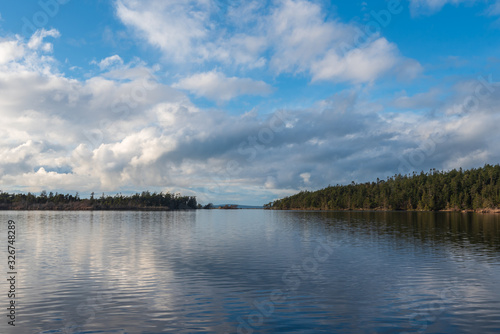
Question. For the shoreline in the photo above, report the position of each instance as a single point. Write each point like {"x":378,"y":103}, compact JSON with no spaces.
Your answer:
{"x":97,"y":209}
{"x":484,"y":210}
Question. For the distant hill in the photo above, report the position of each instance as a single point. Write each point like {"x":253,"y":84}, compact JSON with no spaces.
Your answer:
{"x":456,"y":190}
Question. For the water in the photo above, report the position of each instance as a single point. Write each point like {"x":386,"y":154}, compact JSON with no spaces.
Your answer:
{"x":253,"y":271}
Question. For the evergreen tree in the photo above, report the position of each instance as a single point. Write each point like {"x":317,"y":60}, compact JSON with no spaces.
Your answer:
{"x":474,"y":189}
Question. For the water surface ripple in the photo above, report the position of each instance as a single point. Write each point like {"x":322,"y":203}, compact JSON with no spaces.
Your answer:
{"x":254,"y":271}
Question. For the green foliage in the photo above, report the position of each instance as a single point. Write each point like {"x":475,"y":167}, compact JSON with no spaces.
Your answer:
{"x":473,"y":189}
{"x":143,"y":201}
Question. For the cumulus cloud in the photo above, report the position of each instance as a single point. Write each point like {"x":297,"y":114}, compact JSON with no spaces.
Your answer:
{"x":216,"y":86}
{"x":105,"y":133}
{"x":17,"y":56}
{"x":36,"y":41}
{"x":289,"y":36}
{"x":330,"y":50}
{"x":301,"y":34}
{"x":358,"y":65}
{"x":176,"y":27}
{"x":15,"y":50}
{"x":108,"y":62}
{"x":170,"y":143}
{"x":241,"y":49}
{"x":10,"y":50}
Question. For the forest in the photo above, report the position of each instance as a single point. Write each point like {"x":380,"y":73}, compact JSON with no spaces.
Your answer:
{"x":455,"y":190}
{"x":51,"y":201}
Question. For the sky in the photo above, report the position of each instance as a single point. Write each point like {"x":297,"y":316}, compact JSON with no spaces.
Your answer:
{"x":243,"y":101}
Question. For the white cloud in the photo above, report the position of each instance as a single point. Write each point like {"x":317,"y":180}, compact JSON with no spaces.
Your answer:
{"x":10,"y":50}
{"x":109,"y":134}
{"x":42,"y":180}
{"x":241,"y":49}
{"x":289,"y":36}
{"x":304,"y":41}
{"x":306,"y":177}
{"x":109,"y":62}
{"x":18,"y":56}
{"x":216,"y":86}
{"x":36,"y":41}
{"x":358,"y":65}
{"x":300,"y":35}
{"x":174,"y":26}
{"x":166,"y":142}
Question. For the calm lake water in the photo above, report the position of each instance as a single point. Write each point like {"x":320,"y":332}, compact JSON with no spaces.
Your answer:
{"x":253,"y":271}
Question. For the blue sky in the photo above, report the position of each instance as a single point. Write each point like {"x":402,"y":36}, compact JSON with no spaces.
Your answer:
{"x":243,"y":101}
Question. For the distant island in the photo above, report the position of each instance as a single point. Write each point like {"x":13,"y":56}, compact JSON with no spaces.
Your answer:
{"x":456,"y":190}
{"x":143,"y":201}
{"x":233,"y":206}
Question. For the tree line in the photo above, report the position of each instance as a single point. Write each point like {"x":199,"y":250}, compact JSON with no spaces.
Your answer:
{"x":455,"y":190}
{"x":51,"y":201}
